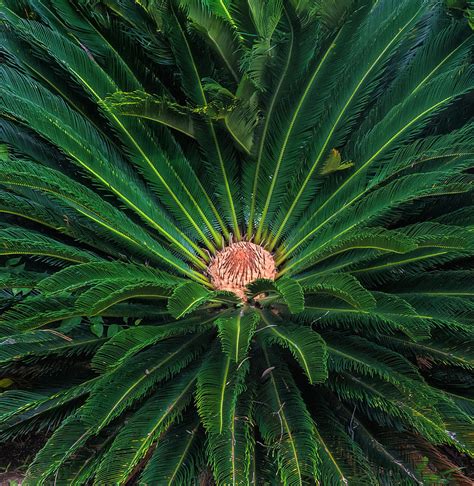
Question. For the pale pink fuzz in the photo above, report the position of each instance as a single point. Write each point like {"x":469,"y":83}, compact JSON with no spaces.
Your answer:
{"x":239,"y":264}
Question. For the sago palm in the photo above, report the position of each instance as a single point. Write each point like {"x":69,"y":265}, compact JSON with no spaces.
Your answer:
{"x":237,"y":239}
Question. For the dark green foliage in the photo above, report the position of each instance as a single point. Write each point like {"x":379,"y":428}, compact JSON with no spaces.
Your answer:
{"x":137,"y":139}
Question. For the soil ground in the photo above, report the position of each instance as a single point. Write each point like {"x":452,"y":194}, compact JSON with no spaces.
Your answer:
{"x":15,"y":456}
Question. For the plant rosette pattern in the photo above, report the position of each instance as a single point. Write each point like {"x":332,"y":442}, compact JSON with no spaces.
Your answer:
{"x":236,"y":241}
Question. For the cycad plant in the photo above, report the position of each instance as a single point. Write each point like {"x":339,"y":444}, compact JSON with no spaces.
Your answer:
{"x":236,"y":240}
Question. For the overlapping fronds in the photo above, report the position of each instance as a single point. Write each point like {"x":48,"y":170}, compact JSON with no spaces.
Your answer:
{"x":330,"y":144}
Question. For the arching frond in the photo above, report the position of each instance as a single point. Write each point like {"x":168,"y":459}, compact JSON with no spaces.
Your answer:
{"x":290,"y":291}
{"x":20,"y":241}
{"x":286,"y":425}
{"x":235,"y":333}
{"x":220,"y":382}
{"x":46,"y":342}
{"x":178,"y":457}
{"x":122,"y":388}
{"x":232,"y":452}
{"x":143,"y":105}
{"x":344,"y":287}
{"x":130,"y":341}
{"x":152,"y":420}
{"x":186,"y":298}
{"x":307,"y":346}
{"x":86,"y":203}
{"x":79,"y":276}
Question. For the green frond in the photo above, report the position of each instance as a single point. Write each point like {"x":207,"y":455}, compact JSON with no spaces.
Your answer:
{"x":390,"y":315}
{"x":411,"y":116}
{"x":186,"y":298}
{"x":143,"y":105}
{"x":15,"y":279}
{"x":82,"y":466}
{"x":75,"y":277}
{"x":259,"y":62}
{"x":34,"y":105}
{"x":455,"y":352}
{"x":266,"y":16}
{"x":293,"y":122}
{"x":342,"y":458}
{"x":390,"y":463}
{"x":99,"y":85}
{"x":78,"y":19}
{"x":220,"y":382}
{"x":88,"y":204}
{"x":285,"y":424}
{"x":241,"y":117}
{"x":21,"y":241}
{"x":22,"y":142}
{"x":232,"y":452}
{"x":211,"y":21}
{"x":14,"y":401}
{"x":307,"y":346}
{"x":149,"y":422}
{"x":260,"y":286}
{"x":235,"y":333}
{"x":111,"y":292}
{"x":37,"y":209}
{"x":455,"y":283}
{"x":178,"y":457}
{"x":385,"y":198}
{"x":341,"y":286}
{"x":216,"y":153}
{"x":436,"y":243}
{"x":290,"y":291}
{"x":428,"y":234}
{"x":421,"y":416}
{"x":36,"y":311}
{"x":140,"y":142}
{"x":378,"y":239}
{"x":426,"y":153}
{"x":131,"y":341}
{"x":292,"y":294}
{"x":23,"y":412}
{"x":360,"y":356}
{"x":355,"y":84}
{"x":111,"y":396}
{"x":47,"y":342}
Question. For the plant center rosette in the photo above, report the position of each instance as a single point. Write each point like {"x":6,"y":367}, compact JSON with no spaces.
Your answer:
{"x":240,"y":264}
